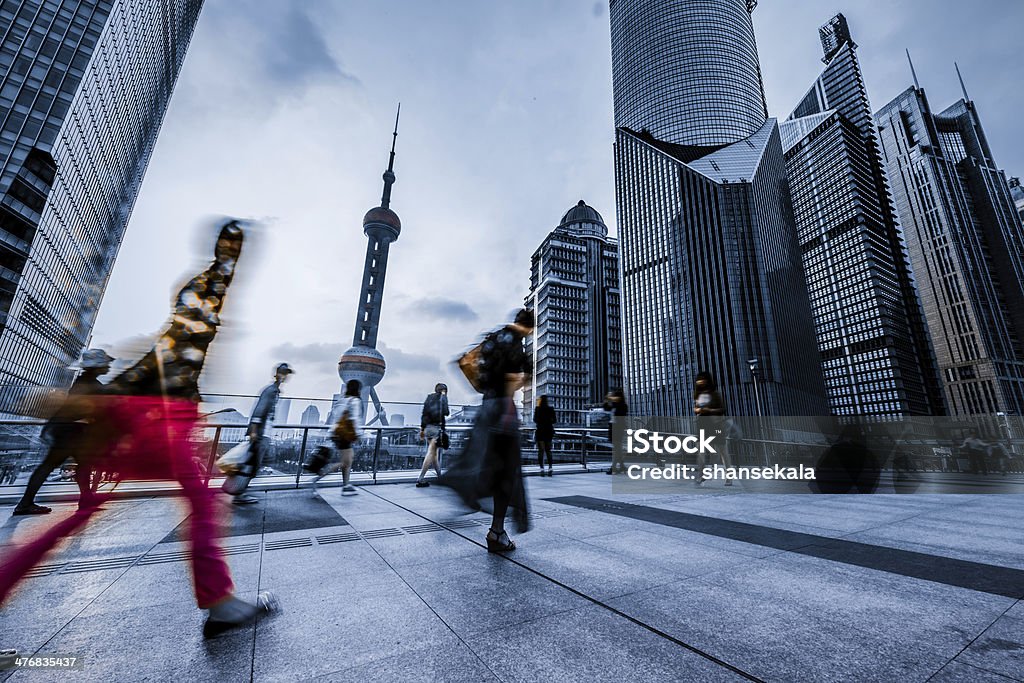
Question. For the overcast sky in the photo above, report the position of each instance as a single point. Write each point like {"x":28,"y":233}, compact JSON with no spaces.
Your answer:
{"x":283,"y":112}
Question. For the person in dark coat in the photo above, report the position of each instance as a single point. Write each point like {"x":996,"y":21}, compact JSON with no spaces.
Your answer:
{"x":709,"y":408}
{"x":544,"y":419}
{"x":64,"y":431}
{"x":615,"y":404}
{"x":435,"y":410}
{"x":490,"y":464}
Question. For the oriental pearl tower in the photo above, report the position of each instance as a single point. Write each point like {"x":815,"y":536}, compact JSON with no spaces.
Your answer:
{"x":381,"y":226}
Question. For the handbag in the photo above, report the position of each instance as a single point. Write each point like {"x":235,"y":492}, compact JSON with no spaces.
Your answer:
{"x":232,"y":461}
{"x":235,"y":484}
{"x":345,"y":429}
{"x":442,"y":440}
{"x":318,"y":460}
{"x":471,"y":365}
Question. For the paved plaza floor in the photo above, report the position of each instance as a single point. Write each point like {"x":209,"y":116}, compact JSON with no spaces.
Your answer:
{"x":394,"y":584}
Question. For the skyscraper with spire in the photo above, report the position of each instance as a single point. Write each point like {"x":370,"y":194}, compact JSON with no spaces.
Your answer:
{"x":966,"y":247}
{"x":381,"y":226}
{"x":875,"y":352}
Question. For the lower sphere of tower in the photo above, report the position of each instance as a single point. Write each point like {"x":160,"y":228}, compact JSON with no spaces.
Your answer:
{"x":363,"y":363}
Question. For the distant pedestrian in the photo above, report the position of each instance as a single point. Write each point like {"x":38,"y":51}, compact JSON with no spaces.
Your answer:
{"x":64,"y":432}
{"x":544,"y":419}
{"x":615,"y":405}
{"x":259,"y":441}
{"x":348,"y":429}
{"x":977,"y":454}
{"x":709,"y":408}
{"x":490,"y":463}
{"x":432,"y":424}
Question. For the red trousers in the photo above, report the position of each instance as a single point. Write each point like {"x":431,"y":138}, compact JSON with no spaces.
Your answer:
{"x":151,"y":441}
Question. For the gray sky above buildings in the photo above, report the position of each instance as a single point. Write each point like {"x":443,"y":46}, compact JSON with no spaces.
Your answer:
{"x":283,"y":112}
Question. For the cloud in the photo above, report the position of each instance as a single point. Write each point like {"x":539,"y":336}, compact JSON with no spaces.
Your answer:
{"x":598,"y":9}
{"x":441,"y":308}
{"x":315,"y":354}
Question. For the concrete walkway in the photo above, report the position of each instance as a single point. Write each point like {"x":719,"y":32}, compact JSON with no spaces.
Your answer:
{"x":393,"y":584}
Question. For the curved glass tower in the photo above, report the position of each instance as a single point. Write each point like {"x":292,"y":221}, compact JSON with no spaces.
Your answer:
{"x":687,"y":70}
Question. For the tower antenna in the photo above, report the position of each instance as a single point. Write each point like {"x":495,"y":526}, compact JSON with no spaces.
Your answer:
{"x":389,"y":175}
{"x":912,"y":72}
{"x":963,"y":87}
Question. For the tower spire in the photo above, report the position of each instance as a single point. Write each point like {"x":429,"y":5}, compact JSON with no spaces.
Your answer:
{"x":963,"y":88}
{"x":912,"y":72}
{"x":389,"y":175}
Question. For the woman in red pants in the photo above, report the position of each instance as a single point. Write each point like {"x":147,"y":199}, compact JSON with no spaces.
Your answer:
{"x":140,"y":429}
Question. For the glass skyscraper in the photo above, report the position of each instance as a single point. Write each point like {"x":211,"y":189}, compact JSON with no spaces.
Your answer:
{"x":574,"y":294}
{"x":85,"y":84}
{"x":875,"y":352}
{"x":966,"y":246}
{"x":710,"y":266}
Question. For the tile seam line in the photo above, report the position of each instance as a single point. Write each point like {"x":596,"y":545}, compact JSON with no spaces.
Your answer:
{"x":656,"y":631}
{"x":421,"y":599}
{"x":972,"y":641}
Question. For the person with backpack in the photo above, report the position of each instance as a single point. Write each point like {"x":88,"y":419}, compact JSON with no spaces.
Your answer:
{"x":544,"y":419}
{"x":347,"y":430}
{"x":260,"y":442}
{"x":435,"y":410}
{"x":490,"y":463}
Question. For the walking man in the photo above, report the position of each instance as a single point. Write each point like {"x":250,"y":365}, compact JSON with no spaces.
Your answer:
{"x":64,"y":431}
{"x":435,"y":409}
{"x":262,"y":416}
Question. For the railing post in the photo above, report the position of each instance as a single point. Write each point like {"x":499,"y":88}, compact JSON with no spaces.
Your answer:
{"x":376,"y":452}
{"x":583,"y":448}
{"x":213,"y":456}
{"x":302,"y":455}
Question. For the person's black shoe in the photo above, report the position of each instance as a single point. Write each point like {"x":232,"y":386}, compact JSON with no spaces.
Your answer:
{"x":265,"y":602}
{"x":422,"y":484}
{"x":31,"y":510}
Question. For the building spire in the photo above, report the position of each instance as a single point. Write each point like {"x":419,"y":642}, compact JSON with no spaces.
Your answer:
{"x":912,"y":72}
{"x":963,"y":88}
{"x":389,"y":175}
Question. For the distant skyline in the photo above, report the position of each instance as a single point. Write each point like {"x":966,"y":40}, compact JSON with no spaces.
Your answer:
{"x":283,"y":112}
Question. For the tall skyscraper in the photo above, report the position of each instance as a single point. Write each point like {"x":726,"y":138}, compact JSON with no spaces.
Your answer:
{"x":381,"y":226}
{"x":711,"y":272}
{"x":965,"y":243}
{"x":310,"y":416}
{"x":574,"y":294}
{"x":85,"y":84}
{"x":875,"y":352}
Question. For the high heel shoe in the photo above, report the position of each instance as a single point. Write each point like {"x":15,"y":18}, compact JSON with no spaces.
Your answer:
{"x":496,"y":544}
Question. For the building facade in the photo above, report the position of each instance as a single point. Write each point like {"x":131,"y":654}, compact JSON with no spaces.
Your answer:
{"x":966,"y":246}
{"x":574,"y":294}
{"x":875,"y":352}
{"x":710,"y":267}
{"x":85,"y":84}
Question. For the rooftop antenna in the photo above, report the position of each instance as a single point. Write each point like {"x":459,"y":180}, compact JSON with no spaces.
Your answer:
{"x":389,"y":175}
{"x":963,"y":87}
{"x":912,"y":72}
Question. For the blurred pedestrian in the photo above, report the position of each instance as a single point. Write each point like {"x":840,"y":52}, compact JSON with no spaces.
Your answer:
{"x":490,"y":463}
{"x":432,"y":423}
{"x":259,"y":441}
{"x":145,"y":432}
{"x":615,"y":405}
{"x":709,"y":408}
{"x":347,"y":430}
{"x":977,"y":454}
{"x":544,"y":419}
{"x":64,"y":432}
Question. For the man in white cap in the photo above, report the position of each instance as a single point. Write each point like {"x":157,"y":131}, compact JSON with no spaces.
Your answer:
{"x":64,"y":431}
{"x":262,"y":415}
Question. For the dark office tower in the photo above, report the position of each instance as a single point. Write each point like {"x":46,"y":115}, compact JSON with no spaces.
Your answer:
{"x":874,"y":347}
{"x":85,"y":84}
{"x":574,"y":294}
{"x":711,"y":273}
{"x":965,"y":241}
